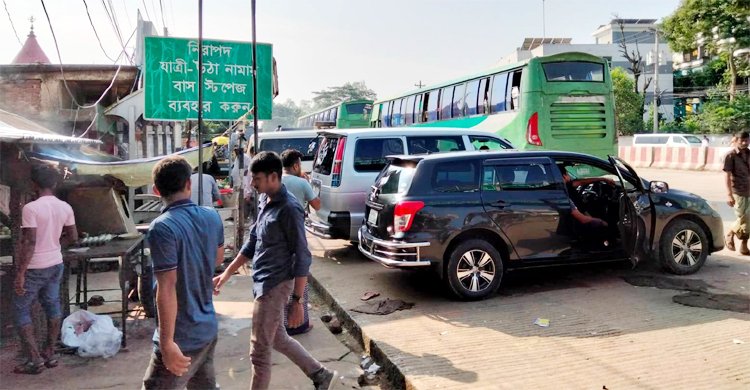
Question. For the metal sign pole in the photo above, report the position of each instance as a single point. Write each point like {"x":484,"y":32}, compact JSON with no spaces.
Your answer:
{"x":200,"y":102}
{"x":255,"y":83}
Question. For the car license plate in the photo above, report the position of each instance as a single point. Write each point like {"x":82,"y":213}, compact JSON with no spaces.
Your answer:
{"x":372,"y":217}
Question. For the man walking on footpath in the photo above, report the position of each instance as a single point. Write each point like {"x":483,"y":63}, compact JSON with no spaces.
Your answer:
{"x":737,"y":168}
{"x":187,"y":243}
{"x":40,"y":266}
{"x":281,"y":262}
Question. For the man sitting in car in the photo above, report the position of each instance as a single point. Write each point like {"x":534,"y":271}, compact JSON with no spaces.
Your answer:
{"x":590,"y":227}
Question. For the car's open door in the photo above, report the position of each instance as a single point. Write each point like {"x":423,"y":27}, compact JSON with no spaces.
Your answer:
{"x":636,"y":212}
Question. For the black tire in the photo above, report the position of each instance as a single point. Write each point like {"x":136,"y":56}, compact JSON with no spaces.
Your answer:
{"x":683,"y":247}
{"x":474,"y":285}
{"x":146,"y":293}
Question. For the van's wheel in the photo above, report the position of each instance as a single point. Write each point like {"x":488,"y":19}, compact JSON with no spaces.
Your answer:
{"x":474,"y":270}
{"x":683,"y":247}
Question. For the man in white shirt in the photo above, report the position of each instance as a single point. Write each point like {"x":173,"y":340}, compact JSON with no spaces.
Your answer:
{"x":294,"y":180}
{"x":210,"y":189}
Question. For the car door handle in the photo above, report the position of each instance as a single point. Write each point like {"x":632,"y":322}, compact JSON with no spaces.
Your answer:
{"x":499,"y":204}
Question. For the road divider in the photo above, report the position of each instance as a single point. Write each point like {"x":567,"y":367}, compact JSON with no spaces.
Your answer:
{"x":673,"y":157}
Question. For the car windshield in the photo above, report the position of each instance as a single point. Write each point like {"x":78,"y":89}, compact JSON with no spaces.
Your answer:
{"x":693,"y":139}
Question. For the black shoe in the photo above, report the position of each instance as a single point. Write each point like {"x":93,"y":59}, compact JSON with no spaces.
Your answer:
{"x":323,"y":379}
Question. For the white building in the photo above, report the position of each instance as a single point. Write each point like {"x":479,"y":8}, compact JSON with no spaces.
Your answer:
{"x":638,"y":34}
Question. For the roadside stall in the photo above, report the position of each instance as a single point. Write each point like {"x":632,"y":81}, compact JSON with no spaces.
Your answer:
{"x":93,"y":185}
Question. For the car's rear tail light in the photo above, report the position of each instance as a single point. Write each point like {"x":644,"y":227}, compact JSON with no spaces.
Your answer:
{"x":532,"y":130}
{"x":337,"y":162}
{"x":403,"y":214}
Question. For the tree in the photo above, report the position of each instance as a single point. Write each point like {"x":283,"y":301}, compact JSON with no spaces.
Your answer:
{"x":349,"y":91}
{"x":628,"y":103}
{"x":634,"y":57}
{"x":721,"y":25}
{"x":722,"y":116}
{"x":284,"y":114}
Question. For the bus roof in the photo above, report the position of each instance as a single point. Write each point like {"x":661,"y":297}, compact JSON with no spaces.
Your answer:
{"x":494,"y":69}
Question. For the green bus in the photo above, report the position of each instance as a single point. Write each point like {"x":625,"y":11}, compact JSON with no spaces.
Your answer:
{"x":558,"y":102}
{"x":345,"y":115}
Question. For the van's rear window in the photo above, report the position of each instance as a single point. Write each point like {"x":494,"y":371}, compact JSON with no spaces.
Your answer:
{"x":574,"y":71}
{"x":326,"y":153}
{"x":395,"y":179}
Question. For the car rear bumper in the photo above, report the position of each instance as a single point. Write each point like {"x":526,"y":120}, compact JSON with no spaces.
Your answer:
{"x":392,"y":254}
{"x":337,"y":226}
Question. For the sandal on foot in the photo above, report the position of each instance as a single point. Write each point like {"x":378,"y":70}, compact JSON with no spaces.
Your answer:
{"x":29,"y":368}
{"x":51,"y":362}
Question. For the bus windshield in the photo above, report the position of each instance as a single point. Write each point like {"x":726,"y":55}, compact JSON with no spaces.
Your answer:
{"x":359,"y":109}
{"x":574,"y":71}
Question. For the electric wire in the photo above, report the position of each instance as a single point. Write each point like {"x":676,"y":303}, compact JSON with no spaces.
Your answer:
{"x":95,"y":32}
{"x":115,"y":27}
{"x":146,"y":9}
{"x":161,"y":7}
{"x":11,"y":23}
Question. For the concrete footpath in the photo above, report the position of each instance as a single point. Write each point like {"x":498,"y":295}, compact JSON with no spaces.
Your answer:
{"x":125,"y":370}
{"x":603,"y":332}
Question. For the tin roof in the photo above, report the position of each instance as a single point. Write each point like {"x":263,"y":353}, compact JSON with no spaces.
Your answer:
{"x":17,"y":129}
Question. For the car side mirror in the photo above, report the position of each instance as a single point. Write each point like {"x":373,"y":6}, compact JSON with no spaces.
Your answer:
{"x":659,"y":187}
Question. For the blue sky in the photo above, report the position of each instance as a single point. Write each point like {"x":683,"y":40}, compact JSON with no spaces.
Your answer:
{"x":389,"y":44}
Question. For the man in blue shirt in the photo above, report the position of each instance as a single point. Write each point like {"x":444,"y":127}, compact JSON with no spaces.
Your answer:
{"x":187,"y":243}
{"x":281,"y":262}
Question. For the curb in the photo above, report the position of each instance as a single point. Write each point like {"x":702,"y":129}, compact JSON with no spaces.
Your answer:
{"x":392,"y":372}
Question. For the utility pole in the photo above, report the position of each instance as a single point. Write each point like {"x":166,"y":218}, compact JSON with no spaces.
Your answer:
{"x":419,"y":84}
{"x":656,"y":80}
{"x":544,"y":20}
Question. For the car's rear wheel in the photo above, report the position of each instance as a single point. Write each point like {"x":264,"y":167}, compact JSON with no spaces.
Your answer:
{"x":474,"y":270}
{"x":684,"y":247}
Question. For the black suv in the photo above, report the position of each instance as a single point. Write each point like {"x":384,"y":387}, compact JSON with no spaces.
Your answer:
{"x":473,"y":215}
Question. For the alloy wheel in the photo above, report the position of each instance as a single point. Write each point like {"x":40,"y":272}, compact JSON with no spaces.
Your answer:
{"x":686,"y":247}
{"x":476,"y":270}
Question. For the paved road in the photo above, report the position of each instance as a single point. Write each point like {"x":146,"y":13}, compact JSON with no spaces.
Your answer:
{"x":603,"y":330}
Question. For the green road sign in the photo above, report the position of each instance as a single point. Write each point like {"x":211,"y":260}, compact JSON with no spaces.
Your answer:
{"x":171,"y":76}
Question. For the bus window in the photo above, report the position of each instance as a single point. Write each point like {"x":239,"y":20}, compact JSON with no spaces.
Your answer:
{"x":432,"y":105}
{"x":398,"y":119}
{"x":386,"y":113}
{"x":458,"y":101}
{"x":470,"y":98}
{"x":418,"y":108}
{"x":497,"y":104}
{"x":334,"y":114}
{"x":446,"y":100}
{"x":574,"y":71}
{"x":409,"y":110}
{"x":483,"y":98}
{"x":514,"y":90}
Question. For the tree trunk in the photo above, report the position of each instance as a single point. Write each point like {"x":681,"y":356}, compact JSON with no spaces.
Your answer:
{"x":733,"y":75}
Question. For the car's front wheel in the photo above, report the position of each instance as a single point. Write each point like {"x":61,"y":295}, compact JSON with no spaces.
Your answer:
{"x":474,"y":270}
{"x":684,"y":247}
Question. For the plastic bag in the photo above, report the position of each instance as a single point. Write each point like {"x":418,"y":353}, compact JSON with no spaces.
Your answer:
{"x":94,"y":335}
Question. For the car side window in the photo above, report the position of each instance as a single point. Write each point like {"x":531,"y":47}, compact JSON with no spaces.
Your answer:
{"x":487,"y":143}
{"x":455,"y":176}
{"x":577,"y":171}
{"x":436,"y":144}
{"x":370,"y":154}
{"x":518,"y":177}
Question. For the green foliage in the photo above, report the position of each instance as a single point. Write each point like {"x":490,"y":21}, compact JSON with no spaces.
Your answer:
{"x":628,"y":103}
{"x":707,"y":76}
{"x":349,"y":91}
{"x":723,"y":116}
{"x":694,"y":17}
{"x":285,"y":114}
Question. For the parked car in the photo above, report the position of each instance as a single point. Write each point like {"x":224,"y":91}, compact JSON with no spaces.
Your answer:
{"x":685,"y":140}
{"x":305,"y":141}
{"x":349,"y":160}
{"x":474,"y":216}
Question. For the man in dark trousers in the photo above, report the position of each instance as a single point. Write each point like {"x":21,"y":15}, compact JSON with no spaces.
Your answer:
{"x":40,"y":266}
{"x":737,"y":169}
{"x":187,"y":243}
{"x":281,"y":262}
